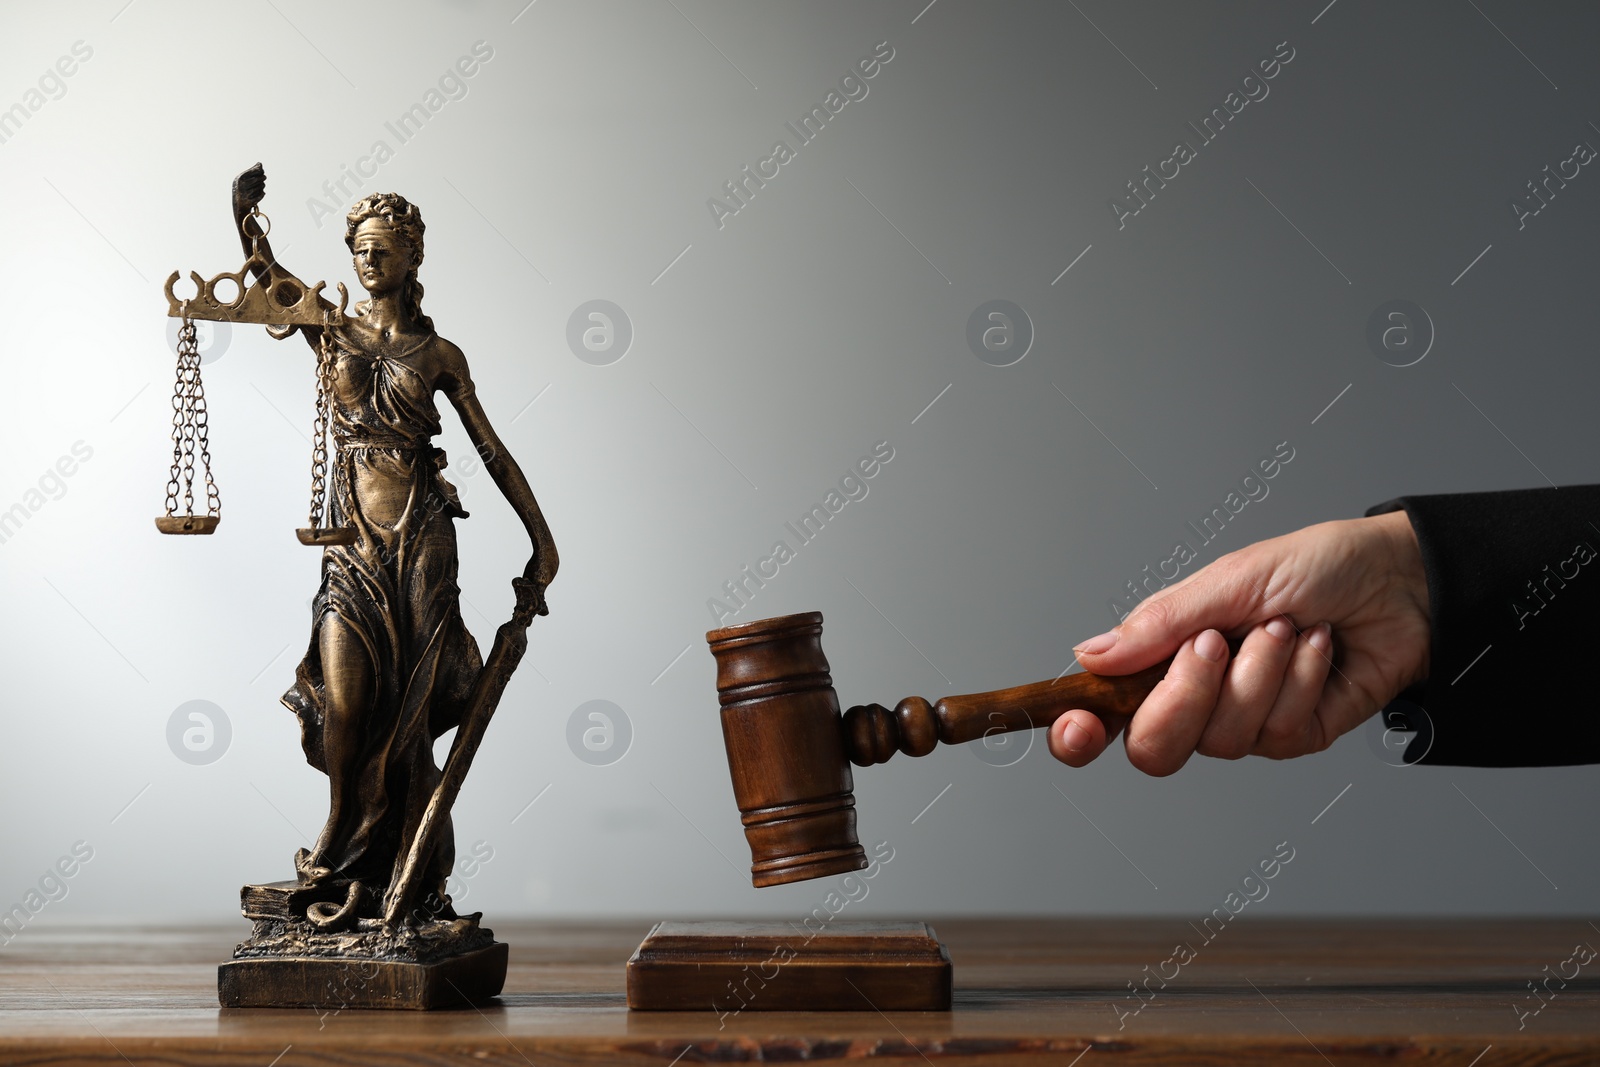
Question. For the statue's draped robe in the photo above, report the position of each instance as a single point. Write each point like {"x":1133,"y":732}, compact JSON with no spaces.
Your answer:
{"x":395,"y":590}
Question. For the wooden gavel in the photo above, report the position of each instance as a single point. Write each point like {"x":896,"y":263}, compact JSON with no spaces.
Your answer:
{"x":790,"y":751}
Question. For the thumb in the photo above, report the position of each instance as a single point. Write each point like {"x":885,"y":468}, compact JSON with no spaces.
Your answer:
{"x":1224,"y":596}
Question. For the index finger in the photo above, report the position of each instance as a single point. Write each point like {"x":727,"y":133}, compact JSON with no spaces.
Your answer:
{"x":1221,"y":596}
{"x":1078,"y":737}
{"x":1168,"y":725}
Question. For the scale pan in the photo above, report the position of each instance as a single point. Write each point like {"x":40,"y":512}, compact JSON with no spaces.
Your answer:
{"x":337,"y":535}
{"x":187,"y":524}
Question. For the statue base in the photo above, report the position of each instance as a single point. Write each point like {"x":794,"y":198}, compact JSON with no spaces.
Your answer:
{"x":288,"y":962}
{"x":334,"y":984}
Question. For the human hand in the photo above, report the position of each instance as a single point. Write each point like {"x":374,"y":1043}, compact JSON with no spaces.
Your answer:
{"x":1334,"y":624}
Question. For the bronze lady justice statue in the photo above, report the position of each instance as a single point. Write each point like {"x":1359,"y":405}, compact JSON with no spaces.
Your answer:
{"x":390,"y":666}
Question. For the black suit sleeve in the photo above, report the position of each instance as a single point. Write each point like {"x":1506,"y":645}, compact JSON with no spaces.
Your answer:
{"x":1514,"y":600}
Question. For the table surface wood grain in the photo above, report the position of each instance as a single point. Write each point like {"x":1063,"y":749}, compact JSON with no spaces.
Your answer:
{"x":1027,"y":991}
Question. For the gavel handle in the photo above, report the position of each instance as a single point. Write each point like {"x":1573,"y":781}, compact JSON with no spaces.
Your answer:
{"x":873,"y":733}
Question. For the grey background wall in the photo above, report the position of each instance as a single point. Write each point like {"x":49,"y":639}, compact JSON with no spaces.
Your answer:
{"x":1170,"y":350}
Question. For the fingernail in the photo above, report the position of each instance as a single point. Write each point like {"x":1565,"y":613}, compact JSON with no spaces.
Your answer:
{"x":1321,"y":638}
{"x":1210,"y":646}
{"x":1096,"y":645}
{"x":1075,"y":738}
{"x":1280,"y":628}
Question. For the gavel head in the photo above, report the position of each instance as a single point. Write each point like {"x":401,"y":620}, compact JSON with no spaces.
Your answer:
{"x":786,"y":752}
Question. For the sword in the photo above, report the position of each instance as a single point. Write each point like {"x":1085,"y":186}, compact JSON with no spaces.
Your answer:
{"x":510,"y":642}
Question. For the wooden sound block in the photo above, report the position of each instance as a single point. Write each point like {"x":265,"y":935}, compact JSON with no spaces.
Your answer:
{"x":331,"y":983}
{"x":733,"y":967}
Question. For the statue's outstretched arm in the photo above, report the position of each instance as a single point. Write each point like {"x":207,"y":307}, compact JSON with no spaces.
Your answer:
{"x":249,"y":188}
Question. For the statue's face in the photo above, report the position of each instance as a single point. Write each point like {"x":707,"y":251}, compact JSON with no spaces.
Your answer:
{"x":382,"y":260}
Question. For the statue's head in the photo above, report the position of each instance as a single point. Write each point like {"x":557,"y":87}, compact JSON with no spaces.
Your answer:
{"x":384,"y":234}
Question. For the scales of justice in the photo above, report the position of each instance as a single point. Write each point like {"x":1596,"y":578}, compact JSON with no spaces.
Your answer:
{"x":390,"y":667}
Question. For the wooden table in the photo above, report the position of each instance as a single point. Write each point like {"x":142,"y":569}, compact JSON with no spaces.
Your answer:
{"x":1026,"y":992}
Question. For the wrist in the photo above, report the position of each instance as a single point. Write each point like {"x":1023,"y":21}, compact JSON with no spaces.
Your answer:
{"x":1406,"y":555}
{"x":1409,"y":575}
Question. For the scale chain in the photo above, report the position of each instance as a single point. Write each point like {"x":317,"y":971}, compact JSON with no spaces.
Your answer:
{"x":190,"y":426}
{"x":320,"y":430}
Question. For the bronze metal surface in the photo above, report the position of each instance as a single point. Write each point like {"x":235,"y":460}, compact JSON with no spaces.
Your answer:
{"x":390,"y":666}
